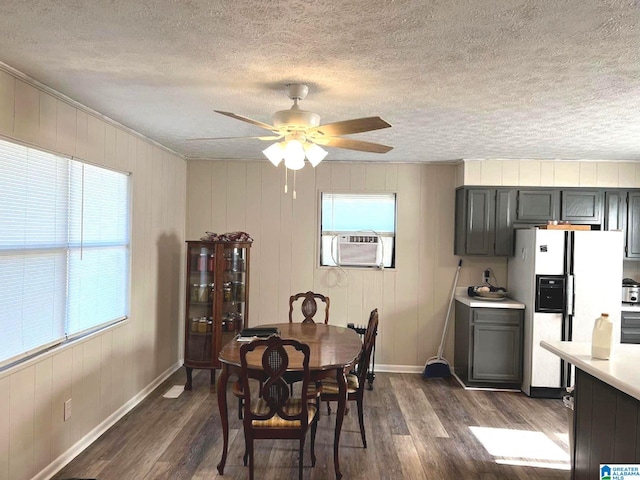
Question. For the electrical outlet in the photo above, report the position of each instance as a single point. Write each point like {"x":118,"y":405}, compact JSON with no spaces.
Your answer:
{"x":486,"y":276}
{"x":67,"y":410}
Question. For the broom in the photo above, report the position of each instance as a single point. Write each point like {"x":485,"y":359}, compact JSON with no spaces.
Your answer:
{"x":438,"y":367}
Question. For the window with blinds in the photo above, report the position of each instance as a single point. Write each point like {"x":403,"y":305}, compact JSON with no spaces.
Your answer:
{"x":64,"y":249}
{"x":357,"y":230}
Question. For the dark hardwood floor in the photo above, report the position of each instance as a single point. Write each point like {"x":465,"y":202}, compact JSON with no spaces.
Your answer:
{"x":416,"y":429}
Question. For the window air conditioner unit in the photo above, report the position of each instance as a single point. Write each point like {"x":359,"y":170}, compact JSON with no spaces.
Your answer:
{"x":358,"y":250}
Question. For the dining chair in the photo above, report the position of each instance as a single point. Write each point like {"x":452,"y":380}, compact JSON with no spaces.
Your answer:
{"x":272,"y":412}
{"x":355,"y":381}
{"x":309,"y":306}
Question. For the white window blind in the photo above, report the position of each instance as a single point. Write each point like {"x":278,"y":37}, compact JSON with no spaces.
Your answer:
{"x":98,"y":247}
{"x":46,"y":291}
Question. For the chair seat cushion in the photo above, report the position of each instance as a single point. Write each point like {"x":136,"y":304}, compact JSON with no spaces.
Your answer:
{"x":293,"y":407}
{"x":330,"y":385}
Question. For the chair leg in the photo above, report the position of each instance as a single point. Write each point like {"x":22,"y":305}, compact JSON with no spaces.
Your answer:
{"x":245,"y":457}
{"x":239,"y":409}
{"x":360,"y":400}
{"x":328,"y":408}
{"x":250,"y":447}
{"x":314,"y":427}
{"x":301,"y":457}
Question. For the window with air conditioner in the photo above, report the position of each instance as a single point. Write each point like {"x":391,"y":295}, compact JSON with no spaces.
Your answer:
{"x":357,"y":230}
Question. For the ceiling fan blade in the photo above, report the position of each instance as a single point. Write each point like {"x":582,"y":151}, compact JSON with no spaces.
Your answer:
{"x":268,"y":137}
{"x":350,"y":144}
{"x":347,"y":127}
{"x":257,"y":123}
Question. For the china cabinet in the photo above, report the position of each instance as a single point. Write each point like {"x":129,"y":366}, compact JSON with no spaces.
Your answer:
{"x":217,"y":293}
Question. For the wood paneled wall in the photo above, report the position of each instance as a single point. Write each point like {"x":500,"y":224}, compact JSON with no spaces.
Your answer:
{"x":108,"y":372}
{"x":549,"y":173}
{"x":412,"y":298}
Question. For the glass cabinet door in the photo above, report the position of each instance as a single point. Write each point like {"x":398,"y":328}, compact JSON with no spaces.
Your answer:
{"x":234,"y":291}
{"x":200,"y":297}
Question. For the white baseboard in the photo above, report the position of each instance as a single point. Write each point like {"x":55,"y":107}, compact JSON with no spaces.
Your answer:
{"x":399,"y":368}
{"x":55,"y":466}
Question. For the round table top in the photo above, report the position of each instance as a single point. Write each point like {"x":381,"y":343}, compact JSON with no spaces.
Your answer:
{"x":330,"y":346}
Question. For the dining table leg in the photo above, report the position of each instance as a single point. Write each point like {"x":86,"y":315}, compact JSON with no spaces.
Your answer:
{"x":224,"y":418}
{"x":342,"y":406}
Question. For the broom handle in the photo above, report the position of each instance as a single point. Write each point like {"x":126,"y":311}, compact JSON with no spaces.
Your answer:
{"x":446,"y":322}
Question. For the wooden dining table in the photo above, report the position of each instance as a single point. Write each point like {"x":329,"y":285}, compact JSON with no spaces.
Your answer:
{"x":333,"y":349}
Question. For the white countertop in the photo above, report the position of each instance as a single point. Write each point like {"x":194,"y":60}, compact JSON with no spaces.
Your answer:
{"x":477,"y":302}
{"x":620,"y":371}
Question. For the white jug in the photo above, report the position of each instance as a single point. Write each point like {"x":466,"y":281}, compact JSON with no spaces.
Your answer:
{"x":601,"y":339}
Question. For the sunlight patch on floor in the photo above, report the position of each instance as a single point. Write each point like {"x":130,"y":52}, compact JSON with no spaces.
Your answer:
{"x":522,"y":448}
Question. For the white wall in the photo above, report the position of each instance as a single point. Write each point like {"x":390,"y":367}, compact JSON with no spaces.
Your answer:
{"x":412,"y":298}
{"x":106,"y":373}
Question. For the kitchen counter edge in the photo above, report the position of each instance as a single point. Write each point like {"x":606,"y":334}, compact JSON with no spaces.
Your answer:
{"x":473,"y":302}
{"x":621,"y":371}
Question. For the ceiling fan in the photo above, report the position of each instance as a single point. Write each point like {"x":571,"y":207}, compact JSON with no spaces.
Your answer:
{"x":300,"y":134}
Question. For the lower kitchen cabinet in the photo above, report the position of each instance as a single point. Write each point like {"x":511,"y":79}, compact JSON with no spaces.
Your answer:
{"x":630,"y":324}
{"x":488,"y":346}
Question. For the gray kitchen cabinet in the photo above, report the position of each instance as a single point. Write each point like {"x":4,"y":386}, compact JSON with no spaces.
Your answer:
{"x":474,"y":224}
{"x":484,"y":221}
{"x":488,"y":346}
{"x":538,"y":205}
{"x":615,"y":210}
{"x":622,"y":212}
{"x":630,"y":325}
{"x":633,"y":225}
{"x":581,"y":206}
{"x":506,"y":202}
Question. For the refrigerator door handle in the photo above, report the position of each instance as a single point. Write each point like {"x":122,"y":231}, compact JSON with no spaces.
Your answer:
{"x":569,"y":295}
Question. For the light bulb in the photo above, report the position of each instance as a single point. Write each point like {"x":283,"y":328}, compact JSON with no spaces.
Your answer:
{"x":275,"y":153}
{"x":294,"y":155}
{"x":315,"y":153}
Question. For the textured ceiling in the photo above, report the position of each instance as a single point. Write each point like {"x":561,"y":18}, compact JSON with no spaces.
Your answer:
{"x":556,"y":79}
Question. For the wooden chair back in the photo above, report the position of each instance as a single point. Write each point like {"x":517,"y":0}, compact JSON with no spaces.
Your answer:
{"x":274,"y":397}
{"x":367,"y":347}
{"x":309,"y":306}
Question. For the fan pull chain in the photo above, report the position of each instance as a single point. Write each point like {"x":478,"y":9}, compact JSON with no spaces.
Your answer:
{"x":286,"y":179}
{"x":294,"y":184}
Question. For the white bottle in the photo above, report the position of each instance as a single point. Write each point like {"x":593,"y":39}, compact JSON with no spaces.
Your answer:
{"x":601,"y":340}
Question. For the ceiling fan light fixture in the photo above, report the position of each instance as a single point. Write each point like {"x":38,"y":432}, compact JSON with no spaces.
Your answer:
{"x":315,"y":153}
{"x":294,"y":155}
{"x":295,"y":118}
{"x":275,"y":153}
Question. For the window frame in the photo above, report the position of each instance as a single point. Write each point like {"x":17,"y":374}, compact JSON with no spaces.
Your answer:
{"x":393,"y":235}
{"x":35,"y":352}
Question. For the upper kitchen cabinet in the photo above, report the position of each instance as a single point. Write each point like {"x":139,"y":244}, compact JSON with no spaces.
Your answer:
{"x":615,"y":210}
{"x":581,"y":206}
{"x":484,"y":221}
{"x":633,"y":225}
{"x":622,"y":212}
{"x":538,"y":206}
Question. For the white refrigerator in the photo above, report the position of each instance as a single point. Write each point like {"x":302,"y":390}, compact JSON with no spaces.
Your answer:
{"x":565,"y":279}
